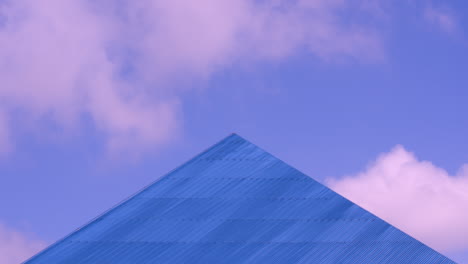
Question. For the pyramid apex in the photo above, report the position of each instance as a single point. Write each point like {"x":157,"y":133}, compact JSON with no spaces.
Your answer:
{"x":234,"y":135}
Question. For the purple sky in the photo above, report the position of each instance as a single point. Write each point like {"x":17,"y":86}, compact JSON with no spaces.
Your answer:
{"x":100,"y":98}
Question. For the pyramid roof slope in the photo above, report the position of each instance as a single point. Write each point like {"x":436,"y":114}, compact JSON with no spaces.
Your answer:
{"x":236,"y":203}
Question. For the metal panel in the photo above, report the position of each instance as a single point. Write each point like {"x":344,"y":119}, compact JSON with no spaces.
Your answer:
{"x":236,"y":203}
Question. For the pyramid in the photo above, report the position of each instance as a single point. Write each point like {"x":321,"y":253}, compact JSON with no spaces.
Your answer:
{"x":236,"y":203}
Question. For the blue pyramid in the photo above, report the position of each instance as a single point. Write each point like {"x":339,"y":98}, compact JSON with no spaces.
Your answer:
{"x":236,"y":203}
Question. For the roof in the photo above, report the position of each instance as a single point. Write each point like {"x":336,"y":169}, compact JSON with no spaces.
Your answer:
{"x":236,"y":203}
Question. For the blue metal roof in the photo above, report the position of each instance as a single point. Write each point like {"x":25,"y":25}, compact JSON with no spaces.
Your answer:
{"x":236,"y":203}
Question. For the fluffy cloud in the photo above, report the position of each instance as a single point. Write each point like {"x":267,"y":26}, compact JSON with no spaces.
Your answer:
{"x":16,"y":247}
{"x":118,"y":63}
{"x":54,"y":63}
{"x":415,"y":196}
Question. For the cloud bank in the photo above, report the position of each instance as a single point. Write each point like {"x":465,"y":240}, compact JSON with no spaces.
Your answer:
{"x":415,"y":196}
{"x":120,"y":63}
{"x":16,"y":247}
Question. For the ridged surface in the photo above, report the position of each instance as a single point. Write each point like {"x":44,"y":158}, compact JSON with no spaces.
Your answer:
{"x":235,"y":203}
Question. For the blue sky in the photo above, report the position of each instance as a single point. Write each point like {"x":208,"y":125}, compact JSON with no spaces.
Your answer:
{"x":327,"y":103}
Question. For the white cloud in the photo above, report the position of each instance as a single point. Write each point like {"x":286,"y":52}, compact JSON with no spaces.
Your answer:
{"x":416,"y":196}
{"x":54,"y":63}
{"x":16,"y":247}
{"x":117,"y":61}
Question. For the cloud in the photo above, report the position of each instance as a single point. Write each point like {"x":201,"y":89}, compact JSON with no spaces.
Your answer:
{"x":416,"y":196}
{"x":16,"y":247}
{"x":442,"y":18}
{"x":54,"y":64}
{"x":122,"y":64}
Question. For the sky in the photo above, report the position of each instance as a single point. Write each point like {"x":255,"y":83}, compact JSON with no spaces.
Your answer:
{"x":100,"y":98}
